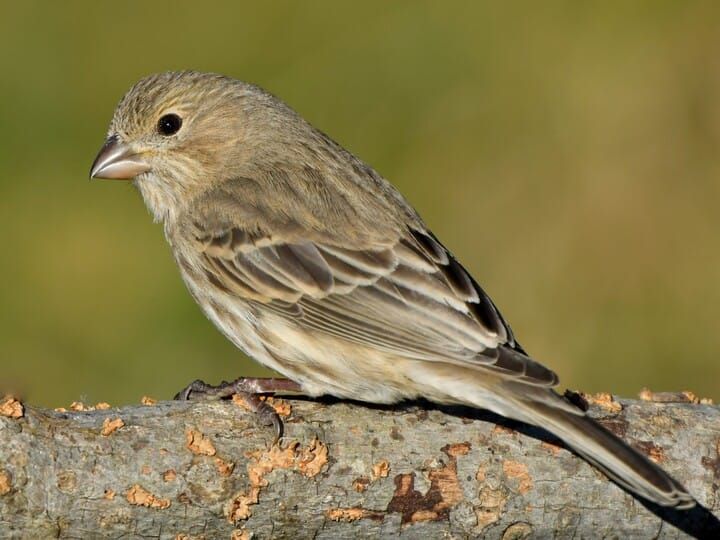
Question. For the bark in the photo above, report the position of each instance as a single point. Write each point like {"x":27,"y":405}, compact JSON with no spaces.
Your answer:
{"x":343,"y":470}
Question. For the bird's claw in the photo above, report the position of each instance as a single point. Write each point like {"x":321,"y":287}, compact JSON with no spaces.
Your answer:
{"x":201,"y":391}
{"x":196,"y":390}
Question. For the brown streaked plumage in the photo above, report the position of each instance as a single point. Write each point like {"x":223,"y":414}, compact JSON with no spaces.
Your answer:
{"x":313,"y":264}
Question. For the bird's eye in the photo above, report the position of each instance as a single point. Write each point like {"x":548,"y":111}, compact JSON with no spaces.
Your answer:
{"x":169,"y":124}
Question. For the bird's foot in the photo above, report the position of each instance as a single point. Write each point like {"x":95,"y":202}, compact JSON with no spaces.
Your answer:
{"x":201,"y":391}
{"x":263,"y":411}
{"x":249,"y":389}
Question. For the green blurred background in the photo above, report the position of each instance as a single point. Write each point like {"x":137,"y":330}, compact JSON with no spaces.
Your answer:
{"x":567,"y":152}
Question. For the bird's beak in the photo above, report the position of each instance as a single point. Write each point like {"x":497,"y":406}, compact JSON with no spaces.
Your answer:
{"x":116,"y":160}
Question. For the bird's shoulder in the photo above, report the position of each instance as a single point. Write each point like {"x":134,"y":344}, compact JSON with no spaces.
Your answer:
{"x":347,"y":206}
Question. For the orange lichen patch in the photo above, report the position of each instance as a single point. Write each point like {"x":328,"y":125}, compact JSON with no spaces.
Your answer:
{"x":492,"y":504}
{"x":519,"y":471}
{"x":498,"y":429}
{"x":5,"y":483}
{"x":651,"y":450}
{"x":425,"y":515}
{"x":240,"y":534}
{"x":648,"y":395}
{"x":673,"y":397}
{"x":198,"y":443}
{"x":282,"y":407}
{"x":603,"y":400}
{"x":238,"y":509}
{"x":241,"y":401}
{"x":457,"y":449}
{"x":361,"y":483}
{"x":79,"y":406}
{"x":109,"y":494}
{"x":448,"y":486}
{"x":694,"y":398}
{"x":444,"y":492}
{"x":139,"y":496}
{"x":265,"y":461}
{"x":169,"y":475}
{"x":554,"y":449}
{"x":11,"y":407}
{"x":225,"y":468}
{"x":146,"y":470}
{"x":380,"y":469}
{"x":413,"y":505}
{"x":261,"y":463}
{"x":147,"y":400}
{"x":110,"y":425}
{"x":352,"y":514}
{"x":313,"y":458}
{"x":656,"y":454}
{"x":481,"y":474}
{"x":308,"y":461}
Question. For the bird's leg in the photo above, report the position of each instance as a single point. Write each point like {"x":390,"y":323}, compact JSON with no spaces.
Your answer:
{"x":200,"y":390}
{"x":249,"y":388}
{"x":266,"y":385}
{"x":264,"y":412}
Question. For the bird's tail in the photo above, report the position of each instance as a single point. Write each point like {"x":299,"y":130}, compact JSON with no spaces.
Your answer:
{"x":624,"y":465}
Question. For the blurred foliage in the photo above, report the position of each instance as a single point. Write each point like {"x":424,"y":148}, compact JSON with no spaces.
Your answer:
{"x":567,"y":152}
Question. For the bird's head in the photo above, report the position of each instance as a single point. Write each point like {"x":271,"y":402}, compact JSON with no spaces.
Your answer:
{"x":176,"y":133}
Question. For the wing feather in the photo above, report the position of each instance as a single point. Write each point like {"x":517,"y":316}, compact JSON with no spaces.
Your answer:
{"x":412,"y":299}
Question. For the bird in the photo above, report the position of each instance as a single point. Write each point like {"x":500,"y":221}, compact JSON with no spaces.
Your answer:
{"x":313,"y":264}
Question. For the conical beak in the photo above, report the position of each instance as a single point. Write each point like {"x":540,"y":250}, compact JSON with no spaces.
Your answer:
{"x":117,"y":161}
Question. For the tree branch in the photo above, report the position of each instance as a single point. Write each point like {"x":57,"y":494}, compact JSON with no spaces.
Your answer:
{"x":344,"y":470}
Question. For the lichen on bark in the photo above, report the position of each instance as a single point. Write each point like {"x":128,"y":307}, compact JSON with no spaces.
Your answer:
{"x":342,"y":470}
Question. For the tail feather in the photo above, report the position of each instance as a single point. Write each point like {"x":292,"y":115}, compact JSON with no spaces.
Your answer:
{"x":542,"y":407}
{"x":623,"y":464}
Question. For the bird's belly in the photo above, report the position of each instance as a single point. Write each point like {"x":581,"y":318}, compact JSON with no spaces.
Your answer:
{"x":325,"y":364}
{"x":320,"y":363}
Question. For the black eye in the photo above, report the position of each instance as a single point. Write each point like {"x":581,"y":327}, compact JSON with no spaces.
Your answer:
{"x":169,"y":124}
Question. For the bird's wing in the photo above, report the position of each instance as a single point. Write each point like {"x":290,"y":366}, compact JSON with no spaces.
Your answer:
{"x":410,"y":298}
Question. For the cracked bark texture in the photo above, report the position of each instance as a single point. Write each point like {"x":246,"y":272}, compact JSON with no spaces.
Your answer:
{"x":344,"y":470}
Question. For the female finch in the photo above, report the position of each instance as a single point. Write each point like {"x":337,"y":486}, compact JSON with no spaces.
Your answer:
{"x":313,"y":264}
